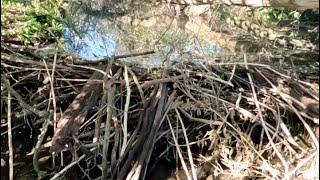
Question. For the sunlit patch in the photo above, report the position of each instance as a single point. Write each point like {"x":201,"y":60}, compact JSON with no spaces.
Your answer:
{"x":92,"y":44}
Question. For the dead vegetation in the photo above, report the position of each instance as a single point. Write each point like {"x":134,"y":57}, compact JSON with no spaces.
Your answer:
{"x":223,"y":120}
{"x":239,"y":119}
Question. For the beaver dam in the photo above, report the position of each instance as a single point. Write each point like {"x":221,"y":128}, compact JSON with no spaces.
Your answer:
{"x":159,"y":91}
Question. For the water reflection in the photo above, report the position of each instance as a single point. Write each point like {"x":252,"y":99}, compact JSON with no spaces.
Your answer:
{"x":94,"y":38}
{"x":93,"y":44}
{"x":174,"y":36}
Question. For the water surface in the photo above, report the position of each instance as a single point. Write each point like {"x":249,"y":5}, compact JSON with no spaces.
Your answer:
{"x":174,"y":32}
{"x":171,"y":35}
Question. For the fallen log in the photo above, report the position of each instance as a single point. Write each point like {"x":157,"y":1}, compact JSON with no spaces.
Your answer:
{"x":70,"y":121}
{"x":295,"y":4}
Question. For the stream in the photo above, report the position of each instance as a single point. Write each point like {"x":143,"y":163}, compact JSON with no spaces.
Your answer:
{"x":175,"y":33}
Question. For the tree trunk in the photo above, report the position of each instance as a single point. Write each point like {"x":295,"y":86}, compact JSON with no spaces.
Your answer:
{"x":295,"y":4}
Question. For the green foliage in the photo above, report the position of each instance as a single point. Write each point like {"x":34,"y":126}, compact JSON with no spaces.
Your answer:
{"x":224,"y":12}
{"x":41,"y":23}
{"x":268,"y":17}
{"x":282,"y":14}
{"x":42,"y":20}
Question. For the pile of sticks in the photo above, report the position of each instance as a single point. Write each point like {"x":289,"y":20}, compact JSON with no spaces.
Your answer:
{"x":105,"y":118}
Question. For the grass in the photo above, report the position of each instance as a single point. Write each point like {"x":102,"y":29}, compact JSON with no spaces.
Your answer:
{"x":33,"y":21}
